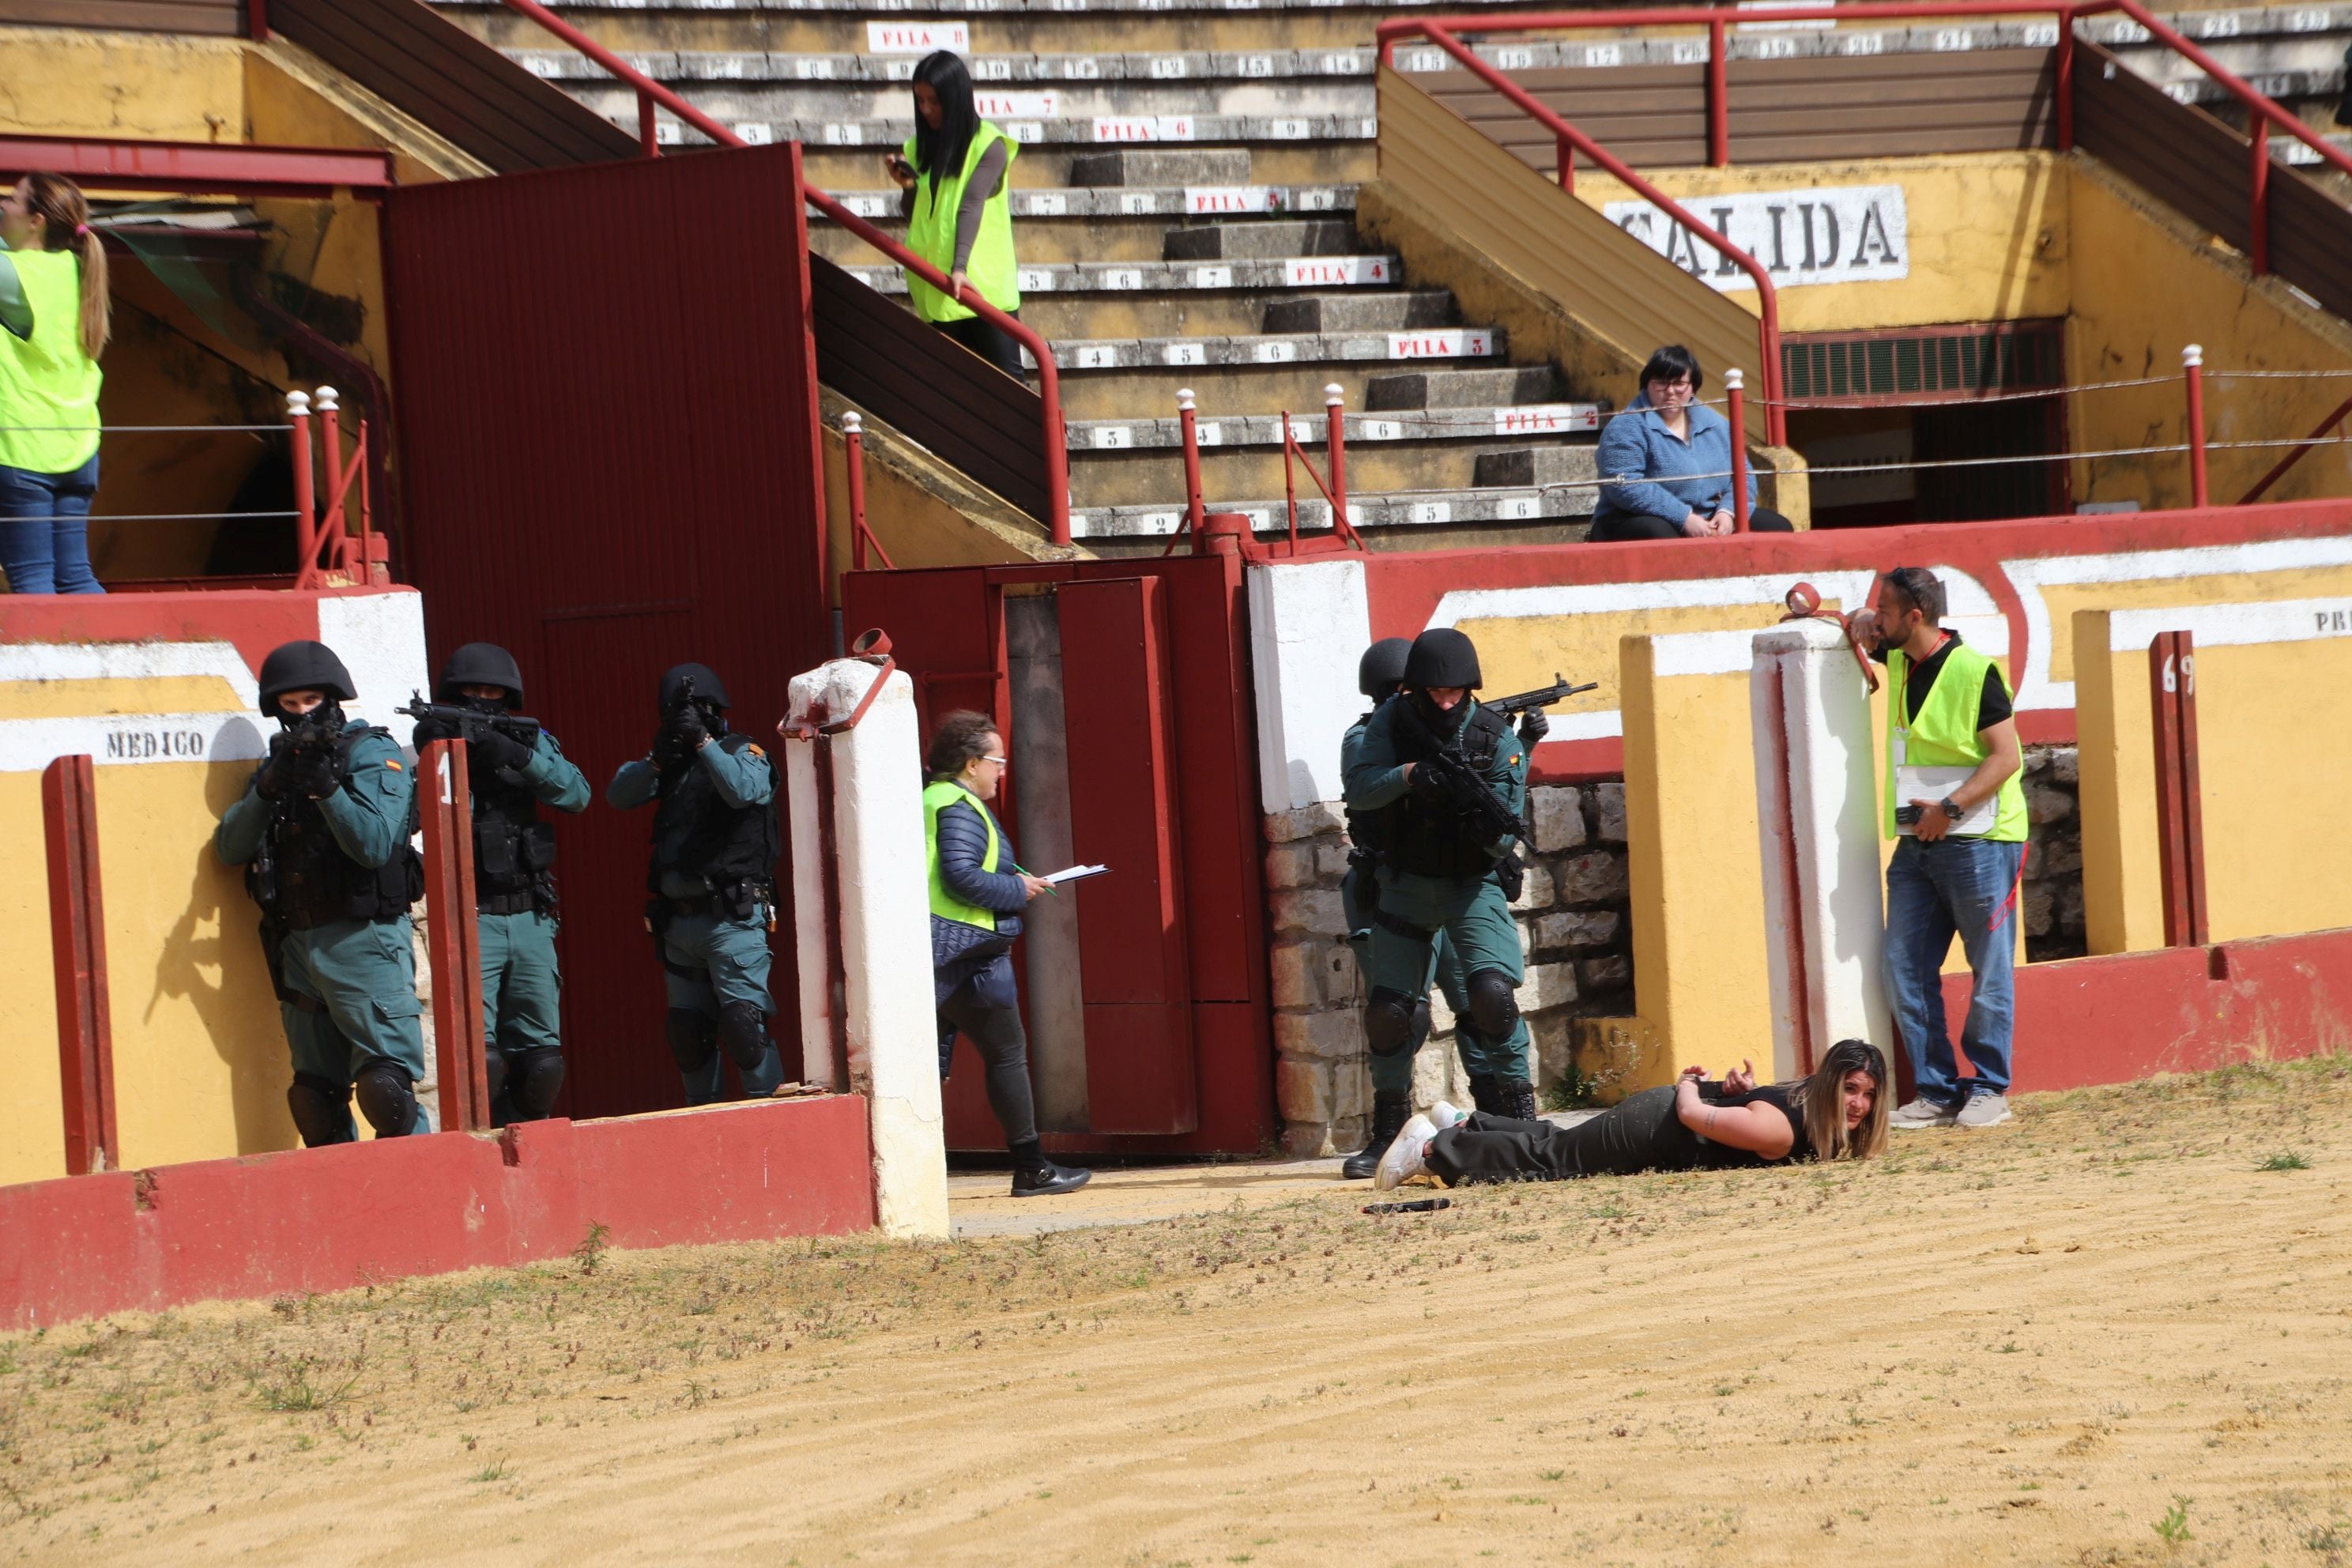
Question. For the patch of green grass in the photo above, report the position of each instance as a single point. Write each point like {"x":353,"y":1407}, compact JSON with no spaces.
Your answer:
{"x":295,"y":1392}
{"x":497,"y":1472}
{"x":593,"y":1245}
{"x":2174,"y":1526}
{"x":2285,"y":1159}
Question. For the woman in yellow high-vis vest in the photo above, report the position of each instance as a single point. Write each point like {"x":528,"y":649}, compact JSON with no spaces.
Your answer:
{"x":977,"y":896}
{"x":956,"y":174}
{"x":53,"y":327}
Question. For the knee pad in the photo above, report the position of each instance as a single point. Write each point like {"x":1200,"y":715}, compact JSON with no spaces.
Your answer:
{"x":494,"y":1070}
{"x":321,"y":1111}
{"x":1420,"y":1023}
{"x":535,"y":1079}
{"x":1388,"y":1021}
{"x":744,"y":1034}
{"x":1494,"y":1005}
{"x":386,"y":1100}
{"x":691,"y":1039}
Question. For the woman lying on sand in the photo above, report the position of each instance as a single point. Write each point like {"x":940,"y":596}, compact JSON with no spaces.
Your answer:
{"x":1838,"y":1113}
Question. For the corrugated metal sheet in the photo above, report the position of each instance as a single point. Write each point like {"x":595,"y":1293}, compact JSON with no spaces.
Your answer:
{"x":607,"y":423}
{"x":881,"y":356}
{"x":215,"y":19}
{"x":453,"y":82}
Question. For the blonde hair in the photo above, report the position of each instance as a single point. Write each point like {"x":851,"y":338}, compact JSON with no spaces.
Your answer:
{"x":1820,"y":1099}
{"x":65,"y":213}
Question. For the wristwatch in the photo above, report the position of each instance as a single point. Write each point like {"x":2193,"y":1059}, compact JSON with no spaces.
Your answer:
{"x":1951,"y":809}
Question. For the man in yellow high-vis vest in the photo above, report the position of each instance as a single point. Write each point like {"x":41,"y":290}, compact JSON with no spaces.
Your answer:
{"x":1952,"y":796}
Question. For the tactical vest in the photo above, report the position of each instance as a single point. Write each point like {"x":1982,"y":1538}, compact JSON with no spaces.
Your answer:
{"x":1943,"y":734}
{"x":938,"y":796}
{"x":931,"y":232}
{"x":698,"y":833}
{"x":514,"y":847}
{"x":49,"y":387}
{"x":1366,"y":829}
{"x":309,"y":882}
{"x":1423,"y":836}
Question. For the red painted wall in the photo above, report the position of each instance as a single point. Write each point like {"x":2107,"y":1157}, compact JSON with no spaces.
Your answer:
{"x":608,"y":440}
{"x":327,"y":1219}
{"x":253,"y":620}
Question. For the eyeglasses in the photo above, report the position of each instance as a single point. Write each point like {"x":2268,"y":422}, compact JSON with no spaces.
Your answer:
{"x":998,"y":761}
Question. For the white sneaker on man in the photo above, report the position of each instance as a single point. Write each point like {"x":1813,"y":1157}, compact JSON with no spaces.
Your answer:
{"x":1984,"y":1110}
{"x":1921,"y":1112}
{"x":1403,"y":1160}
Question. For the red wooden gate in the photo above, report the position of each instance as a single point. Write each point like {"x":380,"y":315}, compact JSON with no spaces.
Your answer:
{"x":606,"y":416}
{"x":1152,"y":709}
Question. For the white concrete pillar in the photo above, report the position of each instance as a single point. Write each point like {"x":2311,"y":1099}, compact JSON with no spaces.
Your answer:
{"x":883,"y":921}
{"x":1817,"y":815}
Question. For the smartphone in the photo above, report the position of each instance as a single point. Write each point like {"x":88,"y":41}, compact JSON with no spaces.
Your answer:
{"x":1906,"y":815}
{"x":899,"y":165}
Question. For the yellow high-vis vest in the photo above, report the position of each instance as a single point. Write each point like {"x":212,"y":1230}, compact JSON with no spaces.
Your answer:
{"x":932,"y":233}
{"x":1942,"y":734}
{"x":49,"y":387}
{"x":938,"y":797}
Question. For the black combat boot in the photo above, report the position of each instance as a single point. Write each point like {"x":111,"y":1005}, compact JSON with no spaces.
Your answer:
{"x":1517,"y":1098}
{"x":1486,"y":1095}
{"x":1391,"y":1109}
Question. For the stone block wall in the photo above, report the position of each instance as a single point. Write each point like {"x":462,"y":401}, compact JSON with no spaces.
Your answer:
{"x":1574,"y":926}
{"x":2052,"y":894}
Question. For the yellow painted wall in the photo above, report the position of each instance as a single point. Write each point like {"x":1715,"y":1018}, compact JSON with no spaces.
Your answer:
{"x":1987,"y":236}
{"x":32,"y":1127}
{"x":1695,"y":870}
{"x":2145,"y":283}
{"x":2271,"y":717}
{"x":151,"y":87}
{"x":199,"y":1054}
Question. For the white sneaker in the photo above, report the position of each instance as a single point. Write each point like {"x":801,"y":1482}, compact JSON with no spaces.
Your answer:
{"x":1403,"y":1160}
{"x":1921,"y":1113}
{"x":1442,"y":1116}
{"x":1984,"y":1110}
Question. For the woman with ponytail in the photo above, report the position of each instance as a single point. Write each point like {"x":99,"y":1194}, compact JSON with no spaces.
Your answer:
{"x":53,"y":307}
{"x":956,"y":172}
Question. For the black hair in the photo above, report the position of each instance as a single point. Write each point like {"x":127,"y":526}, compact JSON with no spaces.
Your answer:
{"x":1921,"y":588}
{"x":1673,"y":362}
{"x":942,"y":71}
{"x":958,"y":738}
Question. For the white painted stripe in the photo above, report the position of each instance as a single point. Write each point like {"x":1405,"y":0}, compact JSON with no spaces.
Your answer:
{"x":2233,"y":625}
{"x":131,"y":661}
{"x":113,"y":739}
{"x":1625,"y":598}
{"x":1703,"y":653}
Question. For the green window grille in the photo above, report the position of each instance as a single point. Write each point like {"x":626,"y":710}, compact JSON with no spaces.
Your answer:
{"x":1932,"y":362}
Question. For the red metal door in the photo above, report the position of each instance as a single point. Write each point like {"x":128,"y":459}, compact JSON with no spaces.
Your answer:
{"x":605,"y":406}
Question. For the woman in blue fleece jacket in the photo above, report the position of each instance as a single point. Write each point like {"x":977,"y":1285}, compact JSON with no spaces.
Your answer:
{"x":1672,"y":462}
{"x":977,"y":895}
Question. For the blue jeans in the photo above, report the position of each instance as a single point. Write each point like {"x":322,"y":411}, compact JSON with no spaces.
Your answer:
{"x":45,"y":530}
{"x":1934,"y":891}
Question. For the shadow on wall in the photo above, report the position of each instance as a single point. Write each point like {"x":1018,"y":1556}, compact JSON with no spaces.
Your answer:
{"x":211,"y":960}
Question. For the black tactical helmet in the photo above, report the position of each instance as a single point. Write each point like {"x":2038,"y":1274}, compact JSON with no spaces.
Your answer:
{"x":303,"y":667}
{"x":481,"y":664}
{"x":1381,"y":667}
{"x":1442,"y":657}
{"x":706,"y":688}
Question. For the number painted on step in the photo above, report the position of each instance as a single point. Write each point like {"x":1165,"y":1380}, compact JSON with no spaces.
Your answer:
{"x":1026,"y":132}
{"x":1687,"y":51}
{"x":1430,"y":511}
{"x":1096,"y":356}
{"x":1374,"y":430}
{"x":1114,"y":437}
{"x":1121,"y":277}
{"x":1341,"y":65}
{"x":2308,"y":21}
{"x":1288,"y":131}
{"x":917,"y":37}
{"x":1183,"y":354}
{"x":1135,"y":203}
{"x":1257,"y":65}
{"x":1158,"y":522}
{"x":1516,"y":509}
{"x":1169,"y":67}
{"x":1514,"y":60}
{"x":1211,"y":199}
{"x":1048,"y":203}
{"x":1867,"y":43}
{"x":1450,"y":342}
{"x":985,"y":70}
{"x":1315,"y":201}
{"x":808,"y":69}
{"x":1037,"y":280}
{"x":1604,"y":54}
{"x":1276,"y":353}
{"x":1212,"y":278}
{"x":1082,"y":68}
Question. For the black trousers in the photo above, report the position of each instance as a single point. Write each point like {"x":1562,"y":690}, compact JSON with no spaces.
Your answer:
{"x":1640,"y":1132}
{"x":1003,"y":1048}
{"x":1618,"y":527}
{"x":989,"y":340}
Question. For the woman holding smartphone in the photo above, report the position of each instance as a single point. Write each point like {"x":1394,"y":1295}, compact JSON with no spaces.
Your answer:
{"x":955,"y":173}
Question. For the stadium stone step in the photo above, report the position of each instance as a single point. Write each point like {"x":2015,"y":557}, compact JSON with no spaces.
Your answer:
{"x":1151,"y":389}
{"x":1473,"y":505}
{"x":1228,"y":431}
{"x":1446,"y":388}
{"x":1262,"y":349}
{"x":1148,"y":166}
{"x":1250,"y":241}
{"x":1403,"y":311}
{"x":1548,"y":464}
{"x":1082,"y":225}
{"x":1164,"y":276}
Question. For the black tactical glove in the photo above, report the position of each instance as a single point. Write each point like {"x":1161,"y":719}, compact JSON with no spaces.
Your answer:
{"x":313,"y":772}
{"x":270,"y":783}
{"x":688,"y":728}
{"x":1423,"y":784}
{"x":431,"y":729}
{"x":494,"y":751}
{"x":1533,"y":727}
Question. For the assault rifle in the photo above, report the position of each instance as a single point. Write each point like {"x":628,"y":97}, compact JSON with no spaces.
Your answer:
{"x":668,"y":748}
{"x":1559,"y":691}
{"x":470,"y":724}
{"x":1444,"y":776}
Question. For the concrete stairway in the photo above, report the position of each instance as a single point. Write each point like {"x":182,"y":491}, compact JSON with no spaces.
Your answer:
{"x":1185,"y":196}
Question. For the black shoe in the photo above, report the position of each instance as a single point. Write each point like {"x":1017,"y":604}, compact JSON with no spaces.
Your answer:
{"x":1519,"y":1097}
{"x":1391,"y":1109}
{"x":1043,"y":1181}
{"x":1485,"y":1094}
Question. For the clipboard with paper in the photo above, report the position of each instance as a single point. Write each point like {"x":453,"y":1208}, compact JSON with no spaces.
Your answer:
{"x":1932,"y":784}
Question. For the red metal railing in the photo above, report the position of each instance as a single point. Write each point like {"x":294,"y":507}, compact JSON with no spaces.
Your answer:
{"x":651,"y":93}
{"x":2310,"y":444}
{"x":323,"y":544}
{"x":2261,"y":113}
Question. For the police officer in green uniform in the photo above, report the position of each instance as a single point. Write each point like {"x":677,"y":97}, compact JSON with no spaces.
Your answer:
{"x":1441,"y":872}
{"x":512,"y":769}
{"x":713,"y":883}
{"x":1378,"y":675}
{"x":322,"y":831}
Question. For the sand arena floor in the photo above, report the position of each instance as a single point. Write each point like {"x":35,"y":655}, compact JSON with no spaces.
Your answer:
{"x":2118,"y":1331}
